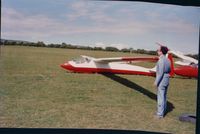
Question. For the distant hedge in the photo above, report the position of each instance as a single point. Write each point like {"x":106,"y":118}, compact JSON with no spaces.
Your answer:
{"x":70,"y":46}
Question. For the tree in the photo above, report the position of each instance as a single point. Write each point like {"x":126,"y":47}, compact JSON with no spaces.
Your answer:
{"x":125,"y":50}
{"x":63,"y":45}
{"x":98,"y":48}
{"x":141,"y":51}
{"x":111,"y":49}
{"x":40,"y":44}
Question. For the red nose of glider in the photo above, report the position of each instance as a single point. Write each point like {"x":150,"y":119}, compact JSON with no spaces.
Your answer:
{"x":66,"y":66}
{"x":62,"y":65}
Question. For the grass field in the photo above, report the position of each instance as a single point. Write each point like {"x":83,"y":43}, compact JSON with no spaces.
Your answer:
{"x":36,"y":92}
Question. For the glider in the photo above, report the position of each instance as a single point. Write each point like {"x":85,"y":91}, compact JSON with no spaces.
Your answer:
{"x":115,"y":65}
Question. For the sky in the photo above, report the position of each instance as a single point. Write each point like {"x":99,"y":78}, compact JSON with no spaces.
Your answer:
{"x":120,"y":24}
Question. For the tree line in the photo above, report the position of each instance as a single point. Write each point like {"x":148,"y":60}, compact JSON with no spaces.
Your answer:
{"x":70,"y":46}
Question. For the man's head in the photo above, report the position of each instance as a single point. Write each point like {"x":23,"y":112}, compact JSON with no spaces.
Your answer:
{"x":162,"y":50}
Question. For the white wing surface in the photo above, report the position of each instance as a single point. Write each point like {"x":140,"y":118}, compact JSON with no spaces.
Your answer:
{"x":186,"y":60}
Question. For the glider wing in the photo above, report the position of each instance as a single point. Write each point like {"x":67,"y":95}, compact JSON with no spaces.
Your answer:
{"x":127,"y":59}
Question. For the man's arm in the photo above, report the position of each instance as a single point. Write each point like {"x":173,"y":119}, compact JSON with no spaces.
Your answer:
{"x":160,"y":72}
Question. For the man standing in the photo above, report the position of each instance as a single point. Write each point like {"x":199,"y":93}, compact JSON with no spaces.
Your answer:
{"x":162,"y":81}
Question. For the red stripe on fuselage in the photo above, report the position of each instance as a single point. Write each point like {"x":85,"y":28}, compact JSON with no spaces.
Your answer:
{"x":187,"y":71}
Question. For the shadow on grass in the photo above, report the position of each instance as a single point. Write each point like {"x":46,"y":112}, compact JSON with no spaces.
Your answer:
{"x":138,"y":88}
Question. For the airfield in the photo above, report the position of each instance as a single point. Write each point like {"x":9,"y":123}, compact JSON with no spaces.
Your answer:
{"x":36,"y":92}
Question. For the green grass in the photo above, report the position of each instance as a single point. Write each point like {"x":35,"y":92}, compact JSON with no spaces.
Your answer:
{"x":36,"y":92}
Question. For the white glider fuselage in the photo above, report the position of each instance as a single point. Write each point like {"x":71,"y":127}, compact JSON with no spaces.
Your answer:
{"x":105,"y":65}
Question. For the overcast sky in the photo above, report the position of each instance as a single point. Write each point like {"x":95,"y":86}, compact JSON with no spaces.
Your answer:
{"x":102,"y":23}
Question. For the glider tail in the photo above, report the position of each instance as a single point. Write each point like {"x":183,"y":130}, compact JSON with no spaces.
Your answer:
{"x":172,"y":64}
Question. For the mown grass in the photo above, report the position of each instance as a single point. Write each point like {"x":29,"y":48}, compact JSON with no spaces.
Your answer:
{"x":36,"y":92}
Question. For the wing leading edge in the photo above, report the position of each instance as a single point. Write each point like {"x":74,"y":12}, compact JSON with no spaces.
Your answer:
{"x":125,"y":59}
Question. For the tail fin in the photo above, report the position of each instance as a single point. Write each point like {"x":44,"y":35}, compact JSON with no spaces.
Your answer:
{"x":172,"y":64}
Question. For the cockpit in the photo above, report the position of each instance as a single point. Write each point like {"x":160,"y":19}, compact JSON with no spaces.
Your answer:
{"x":81,"y":60}
{"x":193,"y":64}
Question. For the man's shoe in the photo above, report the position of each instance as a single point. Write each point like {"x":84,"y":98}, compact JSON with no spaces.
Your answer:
{"x":158,"y":117}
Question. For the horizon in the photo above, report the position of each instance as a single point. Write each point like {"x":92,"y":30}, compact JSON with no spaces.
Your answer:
{"x":137,"y":25}
{"x":103,"y":48}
